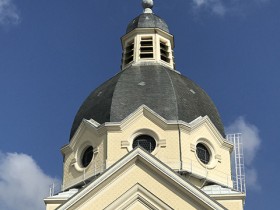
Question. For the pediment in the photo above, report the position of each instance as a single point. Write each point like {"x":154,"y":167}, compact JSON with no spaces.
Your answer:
{"x":143,"y":181}
{"x":145,"y":112}
{"x":138,"y":197}
{"x":90,"y":126}
{"x":211,"y":129}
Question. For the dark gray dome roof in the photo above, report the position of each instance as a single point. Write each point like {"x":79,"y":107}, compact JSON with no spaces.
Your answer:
{"x":147,"y":20}
{"x":169,"y":94}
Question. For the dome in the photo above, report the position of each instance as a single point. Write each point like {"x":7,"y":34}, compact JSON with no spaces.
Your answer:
{"x":147,"y":20}
{"x":168,"y":93}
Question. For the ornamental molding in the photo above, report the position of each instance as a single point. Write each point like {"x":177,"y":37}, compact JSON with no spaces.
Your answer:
{"x":140,"y":156}
{"x":140,"y":194}
{"x":145,"y":111}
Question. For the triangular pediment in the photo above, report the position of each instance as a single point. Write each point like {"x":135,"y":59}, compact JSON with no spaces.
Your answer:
{"x":138,"y":197}
{"x":140,"y":180}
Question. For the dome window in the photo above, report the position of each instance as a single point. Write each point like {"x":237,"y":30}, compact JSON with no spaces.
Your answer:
{"x":129,"y":53}
{"x":202,"y":153}
{"x":146,"y":47}
{"x":87,"y":156}
{"x":146,"y":142}
{"x":164,"y":52}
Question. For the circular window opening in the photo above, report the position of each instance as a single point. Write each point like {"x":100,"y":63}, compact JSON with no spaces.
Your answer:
{"x":146,"y":142}
{"x":203,"y":153}
{"x":87,"y":156}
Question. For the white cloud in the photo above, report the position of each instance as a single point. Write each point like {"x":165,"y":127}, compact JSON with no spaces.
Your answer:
{"x":250,"y":135}
{"x":199,"y":2}
{"x":222,"y":7}
{"x":251,"y":145}
{"x":23,"y":185}
{"x":8,"y":13}
{"x":219,"y":8}
{"x":215,"y":6}
{"x":252,"y":179}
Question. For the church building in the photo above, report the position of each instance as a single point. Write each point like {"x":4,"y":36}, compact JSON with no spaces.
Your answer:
{"x":149,"y":138}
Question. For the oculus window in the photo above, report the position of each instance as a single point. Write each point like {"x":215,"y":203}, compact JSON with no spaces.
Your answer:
{"x":146,"y":142}
{"x":202,"y":153}
{"x":87,"y":156}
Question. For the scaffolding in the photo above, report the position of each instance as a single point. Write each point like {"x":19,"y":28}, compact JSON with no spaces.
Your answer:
{"x":237,"y":162}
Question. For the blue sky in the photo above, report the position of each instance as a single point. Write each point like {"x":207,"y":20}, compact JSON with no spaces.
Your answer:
{"x":54,"y":53}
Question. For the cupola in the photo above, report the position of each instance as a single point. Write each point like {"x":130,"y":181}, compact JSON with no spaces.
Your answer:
{"x":147,"y":40}
{"x":148,"y":77}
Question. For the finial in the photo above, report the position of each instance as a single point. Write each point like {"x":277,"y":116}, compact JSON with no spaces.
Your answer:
{"x":148,"y":5}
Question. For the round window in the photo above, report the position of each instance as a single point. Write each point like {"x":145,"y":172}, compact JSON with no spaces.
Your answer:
{"x":87,"y":156}
{"x":202,"y":153}
{"x":146,"y":142}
